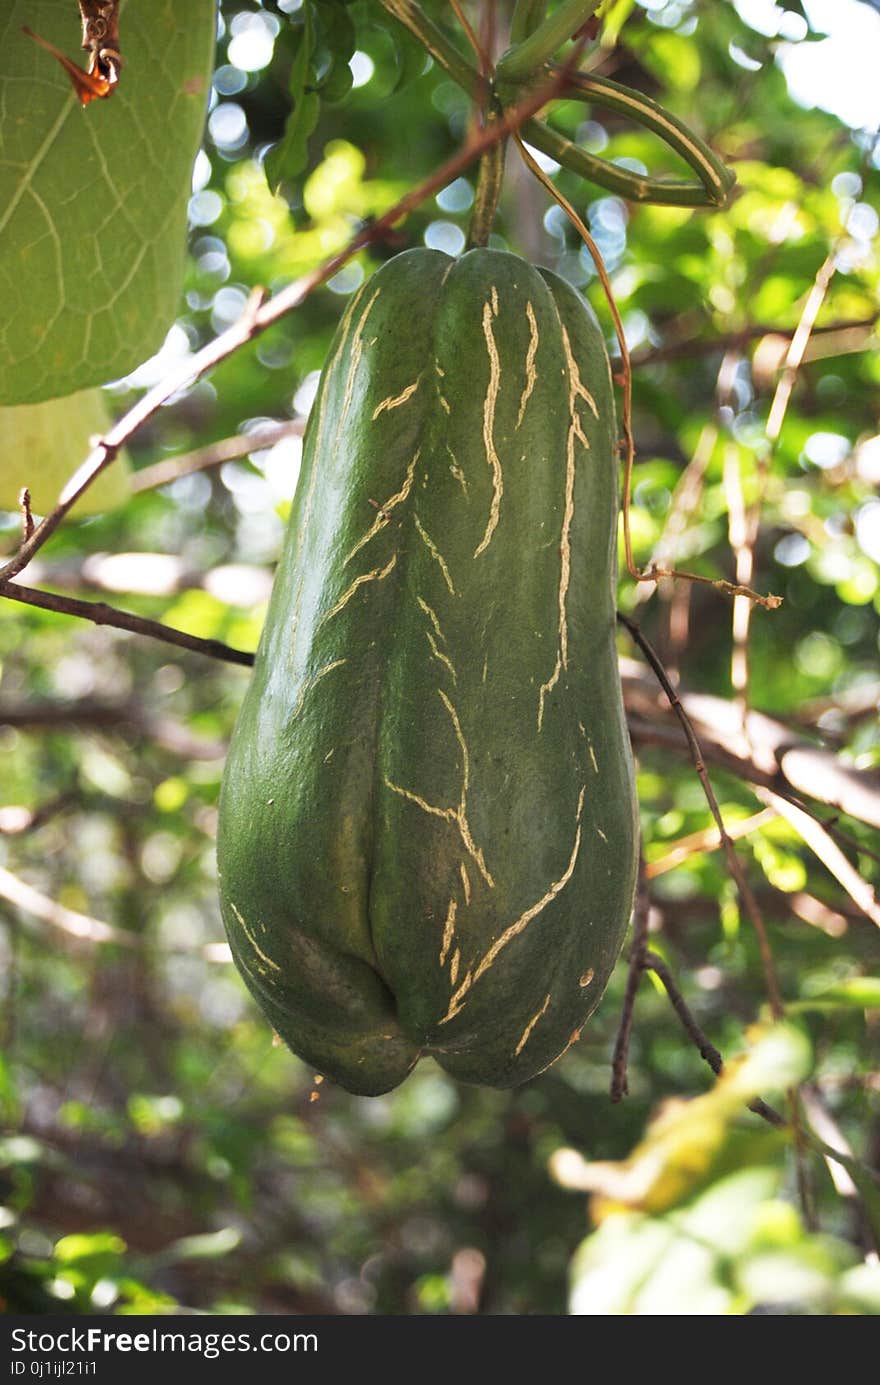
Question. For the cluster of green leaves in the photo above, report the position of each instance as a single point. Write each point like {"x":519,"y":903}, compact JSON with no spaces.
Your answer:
{"x":146,"y":1066}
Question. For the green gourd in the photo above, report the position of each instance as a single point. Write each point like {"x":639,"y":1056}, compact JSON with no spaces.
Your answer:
{"x":428,"y":828}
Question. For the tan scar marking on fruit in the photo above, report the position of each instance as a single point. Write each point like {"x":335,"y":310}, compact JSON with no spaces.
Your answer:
{"x":454,"y":965}
{"x":394,"y":401}
{"x":375,"y":576}
{"x":273,"y":966}
{"x":489,"y":406}
{"x":531,"y":372}
{"x":435,"y":553}
{"x":384,"y":514}
{"x":593,"y":760}
{"x":576,"y":433}
{"x":444,"y":658}
{"x":448,"y":931}
{"x":494,"y":300}
{"x":580,"y":389}
{"x":520,"y":924}
{"x":457,"y":815}
{"x":587,"y":977}
{"x":464,"y":828}
{"x":432,"y":616}
{"x":602,"y":835}
{"x":357,"y":352}
{"x":530,"y":1026}
{"x":457,"y":471}
{"x":316,"y":678}
{"x":465,"y":883}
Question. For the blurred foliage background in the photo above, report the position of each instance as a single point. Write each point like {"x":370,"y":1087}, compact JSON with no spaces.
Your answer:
{"x":159,"y":1152}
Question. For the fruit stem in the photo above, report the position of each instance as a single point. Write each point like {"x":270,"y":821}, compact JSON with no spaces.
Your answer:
{"x":489,"y":180}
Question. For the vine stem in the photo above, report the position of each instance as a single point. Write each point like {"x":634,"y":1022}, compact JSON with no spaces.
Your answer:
{"x":714,"y":175}
{"x":638,"y":952}
{"x":527,"y":15}
{"x":435,"y":42}
{"x":479,"y":52}
{"x":523,"y":60}
{"x":488,"y":190}
{"x":653,"y":573}
{"x":747,"y":897}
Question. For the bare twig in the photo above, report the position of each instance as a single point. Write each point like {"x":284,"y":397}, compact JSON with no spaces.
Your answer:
{"x":653,"y":573}
{"x":707,"y":1050}
{"x":97,"y":715}
{"x":480,"y":53}
{"x":742,"y":534}
{"x":774,"y":755}
{"x":683,"y":503}
{"x":258,"y":316}
{"x":99,"y":613}
{"x":741,"y":337}
{"x":708,"y":840}
{"x":16,"y":819}
{"x":816,"y":836}
{"x":84,"y":928}
{"x":638,"y":953}
{"x":750,"y":904}
{"x":815,"y":299}
{"x":214,"y":454}
{"x":27,"y":519}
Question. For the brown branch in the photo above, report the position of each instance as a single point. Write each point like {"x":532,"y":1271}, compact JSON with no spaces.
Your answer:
{"x":774,"y":755}
{"x":725,"y":341}
{"x":92,"y":714}
{"x":16,"y":819}
{"x":214,"y":454}
{"x":708,"y":840}
{"x":684,"y":501}
{"x":707,"y":1050}
{"x":747,"y":898}
{"x":479,"y":51}
{"x":24,"y":505}
{"x":638,"y":953}
{"x":817,"y":837}
{"x":99,"y":613}
{"x":259,"y":315}
{"x":814,"y":300}
{"x":86,"y":929}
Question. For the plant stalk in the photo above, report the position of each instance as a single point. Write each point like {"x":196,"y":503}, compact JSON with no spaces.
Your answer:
{"x":523,"y":60}
{"x":435,"y":42}
{"x":489,"y":181}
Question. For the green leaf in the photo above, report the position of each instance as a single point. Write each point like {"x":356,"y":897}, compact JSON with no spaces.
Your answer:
{"x":43,"y":444}
{"x":290,"y":156}
{"x":98,"y":1245}
{"x":858,"y":993}
{"x":93,"y":215}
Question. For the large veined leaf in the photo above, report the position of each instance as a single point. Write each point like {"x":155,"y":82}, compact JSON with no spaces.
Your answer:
{"x":93,"y":205}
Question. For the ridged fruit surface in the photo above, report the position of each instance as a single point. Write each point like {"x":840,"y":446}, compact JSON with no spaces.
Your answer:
{"x":428,"y":826}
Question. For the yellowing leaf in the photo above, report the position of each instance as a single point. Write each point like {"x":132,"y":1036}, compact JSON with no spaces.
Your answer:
{"x":43,"y":444}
